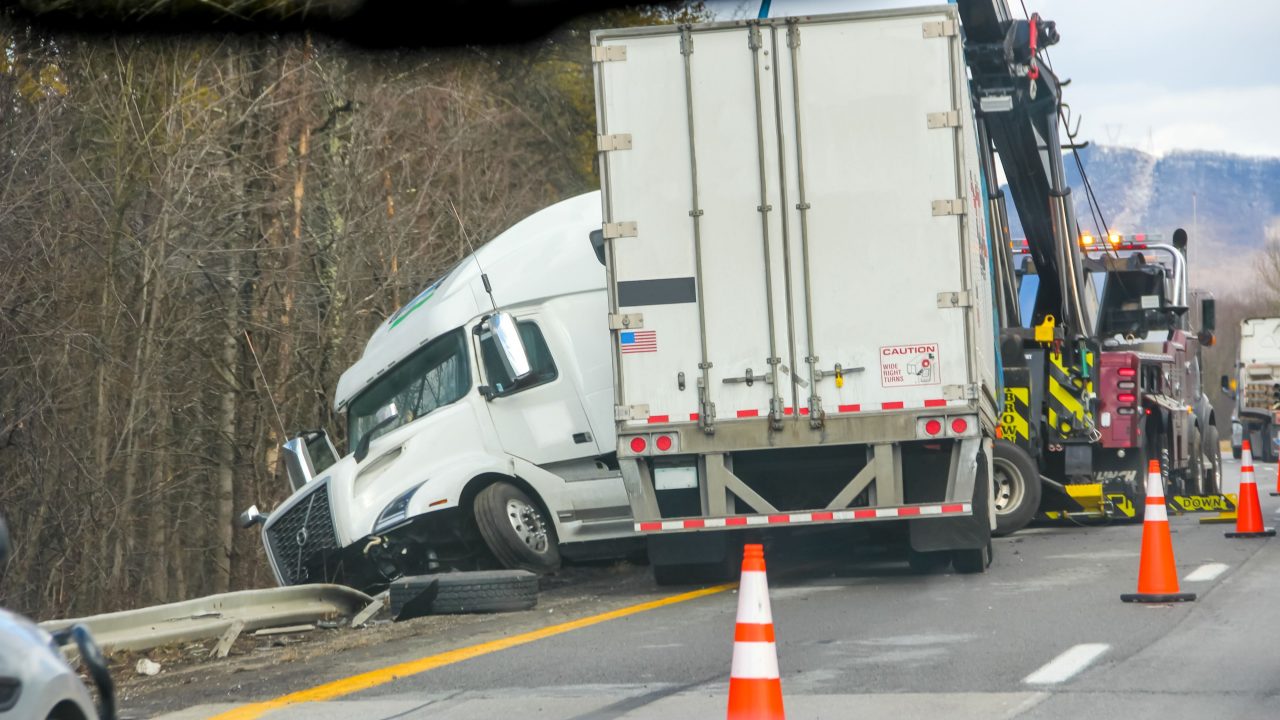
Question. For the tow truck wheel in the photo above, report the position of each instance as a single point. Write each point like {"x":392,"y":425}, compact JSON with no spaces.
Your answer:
{"x":1213,"y":453}
{"x":516,"y":530}
{"x":1193,"y":483}
{"x":1017,"y":487}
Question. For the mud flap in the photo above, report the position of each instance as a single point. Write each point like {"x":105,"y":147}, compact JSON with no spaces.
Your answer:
{"x":972,"y":532}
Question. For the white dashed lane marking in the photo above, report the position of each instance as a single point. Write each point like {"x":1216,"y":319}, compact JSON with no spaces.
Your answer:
{"x":1206,"y":572}
{"x":1067,"y":665}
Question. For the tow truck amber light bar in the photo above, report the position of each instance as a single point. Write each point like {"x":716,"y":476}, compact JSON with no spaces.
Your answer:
{"x":1090,"y":243}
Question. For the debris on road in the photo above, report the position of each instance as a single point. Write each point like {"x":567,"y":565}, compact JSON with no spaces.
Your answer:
{"x":147,"y":667}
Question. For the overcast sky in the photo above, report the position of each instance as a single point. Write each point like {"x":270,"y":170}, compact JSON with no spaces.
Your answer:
{"x":1157,"y":76}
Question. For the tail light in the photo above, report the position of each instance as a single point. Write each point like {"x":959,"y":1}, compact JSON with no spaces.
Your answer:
{"x":655,"y":444}
{"x":1127,"y":398}
{"x":939,"y":427}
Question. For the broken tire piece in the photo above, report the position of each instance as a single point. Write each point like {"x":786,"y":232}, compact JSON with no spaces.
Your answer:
{"x":463,"y":592}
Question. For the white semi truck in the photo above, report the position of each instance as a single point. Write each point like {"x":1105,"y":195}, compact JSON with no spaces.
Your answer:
{"x":1256,"y":389}
{"x":800,"y":283}
{"x":479,"y":424}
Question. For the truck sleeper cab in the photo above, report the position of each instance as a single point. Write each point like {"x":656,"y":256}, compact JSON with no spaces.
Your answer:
{"x":454,"y":461}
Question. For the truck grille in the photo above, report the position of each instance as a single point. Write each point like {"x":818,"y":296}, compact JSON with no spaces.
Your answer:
{"x":300,"y":539}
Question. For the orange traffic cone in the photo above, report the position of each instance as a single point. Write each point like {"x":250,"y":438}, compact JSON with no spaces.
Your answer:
{"x":1248,"y":509}
{"x":755,"y":689}
{"x":1157,"y":573}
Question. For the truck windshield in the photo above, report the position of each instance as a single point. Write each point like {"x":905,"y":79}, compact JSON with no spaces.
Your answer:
{"x":434,"y":376}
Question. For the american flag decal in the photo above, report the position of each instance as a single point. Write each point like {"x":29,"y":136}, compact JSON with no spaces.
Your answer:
{"x":638,"y":341}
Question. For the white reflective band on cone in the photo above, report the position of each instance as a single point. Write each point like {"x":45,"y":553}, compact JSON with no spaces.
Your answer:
{"x":754,"y":661}
{"x":1155,"y":487}
{"x":1157,"y":513}
{"x":753,"y":599}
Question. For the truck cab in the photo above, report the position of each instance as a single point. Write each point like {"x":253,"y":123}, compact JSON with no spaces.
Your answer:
{"x":479,"y":424}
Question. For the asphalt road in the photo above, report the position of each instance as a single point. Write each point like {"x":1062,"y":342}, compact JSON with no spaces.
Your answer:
{"x":1041,"y":635}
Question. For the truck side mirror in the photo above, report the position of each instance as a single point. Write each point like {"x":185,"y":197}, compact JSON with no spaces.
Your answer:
{"x":1226,"y":387}
{"x":1208,"y":314}
{"x":597,"y":244}
{"x":511,"y":347}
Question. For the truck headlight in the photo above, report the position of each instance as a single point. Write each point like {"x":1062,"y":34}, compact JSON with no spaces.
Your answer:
{"x":395,"y":512}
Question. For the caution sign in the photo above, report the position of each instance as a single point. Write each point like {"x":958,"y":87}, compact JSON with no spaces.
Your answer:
{"x":909,"y":365}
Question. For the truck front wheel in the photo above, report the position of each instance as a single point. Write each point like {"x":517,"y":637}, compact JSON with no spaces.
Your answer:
{"x":1017,"y":487}
{"x":516,"y":530}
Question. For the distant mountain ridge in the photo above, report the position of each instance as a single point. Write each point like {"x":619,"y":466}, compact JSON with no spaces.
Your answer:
{"x":1236,"y":207}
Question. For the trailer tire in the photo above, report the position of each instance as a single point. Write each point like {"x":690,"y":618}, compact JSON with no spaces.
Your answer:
{"x":1017,"y":487}
{"x":516,"y":529}
{"x":928,"y":563}
{"x":1213,"y":453}
{"x":972,"y":562}
{"x":692,"y":573}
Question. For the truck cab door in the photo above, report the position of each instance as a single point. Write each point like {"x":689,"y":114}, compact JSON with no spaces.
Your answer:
{"x":540,"y":418}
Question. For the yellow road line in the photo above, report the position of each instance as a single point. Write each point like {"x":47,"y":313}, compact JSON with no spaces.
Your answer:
{"x":381,"y":676}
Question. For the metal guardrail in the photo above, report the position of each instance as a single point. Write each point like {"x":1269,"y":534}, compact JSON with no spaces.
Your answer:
{"x":218,"y":615}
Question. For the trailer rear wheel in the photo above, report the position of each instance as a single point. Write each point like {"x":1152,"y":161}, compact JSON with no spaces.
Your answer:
{"x":971,"y":562}
{"x":1017,"y":487}
{"x":516,"y":529}
{"x":692,"y":573}
{"x":927,"y":563}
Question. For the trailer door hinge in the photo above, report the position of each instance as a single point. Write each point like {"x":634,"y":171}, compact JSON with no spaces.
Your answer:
{"x":942,"y":28}
{"x":943,"y":207}
{"x":631,"y":412}
{"x":960,"y":392}
{"x":608,"y":53}
{"x":954,"y":299}
{"x":619,"y":141}
{"x":949,"y":119}
{"x":620,"y":229}
{"x":627,"y":321}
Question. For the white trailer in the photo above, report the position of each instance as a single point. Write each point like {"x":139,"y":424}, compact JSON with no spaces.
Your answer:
{"x":465,"y":447}
{"x":1257,"y":389}
{"x":800,"y":281}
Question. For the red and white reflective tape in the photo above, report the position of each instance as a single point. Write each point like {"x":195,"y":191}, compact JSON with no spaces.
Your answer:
{"x":840,"y":409}
{"x":851,"y":514}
